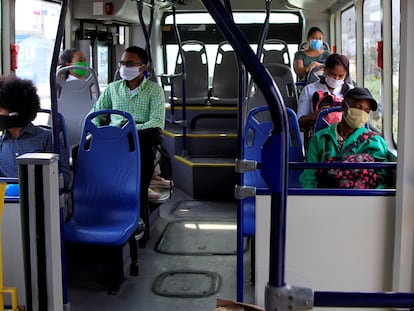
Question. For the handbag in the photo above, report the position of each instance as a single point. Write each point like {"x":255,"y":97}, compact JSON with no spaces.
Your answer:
{"x":352,"y":178}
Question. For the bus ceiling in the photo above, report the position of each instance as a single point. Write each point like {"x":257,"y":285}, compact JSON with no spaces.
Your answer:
{"x":109,"y":12}
{"x":125,"y":11}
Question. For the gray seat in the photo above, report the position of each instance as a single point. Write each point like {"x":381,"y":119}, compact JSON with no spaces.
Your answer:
{"x":226,"y":77}
{"x":283,"y":77}
{"x":275,"y":51}
{"x":196,"y":71}
{"x":75,"y":99}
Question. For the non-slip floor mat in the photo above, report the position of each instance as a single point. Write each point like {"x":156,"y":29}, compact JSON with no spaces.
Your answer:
{"x":186,"y":284}
{"x":199,"y":237}
{"x":204,"y":209}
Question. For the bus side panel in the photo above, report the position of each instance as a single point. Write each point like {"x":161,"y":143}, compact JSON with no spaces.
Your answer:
{"x":333,"y":243}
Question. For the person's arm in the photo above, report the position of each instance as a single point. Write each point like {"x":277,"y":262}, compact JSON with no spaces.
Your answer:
{"x":308,"y":178}
{"x":306,"y":115}
{"x":298,"y":64}
{"x":377,"y":147}
{"x":104,"y":102}
{"x":157,"y":110}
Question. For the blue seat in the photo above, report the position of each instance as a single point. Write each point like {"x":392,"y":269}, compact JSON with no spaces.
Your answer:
{"x":64,"y":150}
{"x":257,"y":129}
{"x":106,"y":187}
{"x":12,"y":190}
{"x":321,"y":122}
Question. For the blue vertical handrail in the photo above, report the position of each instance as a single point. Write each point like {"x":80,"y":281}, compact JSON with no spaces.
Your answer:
{"x":55,"y":128}
{"x":240,"y":210}
{"x":274,"y":153}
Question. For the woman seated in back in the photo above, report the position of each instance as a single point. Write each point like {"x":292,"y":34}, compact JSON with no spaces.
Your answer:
{"x":311,"y":57}
{"x":348,"y":137}
{"x":73,"y":57}
{"x":332,"y":82}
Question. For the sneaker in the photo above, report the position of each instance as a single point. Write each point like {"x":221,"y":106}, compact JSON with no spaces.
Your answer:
{"x":139,"y":232}
{"x":152,"y":195}
{"x":161,"y":183}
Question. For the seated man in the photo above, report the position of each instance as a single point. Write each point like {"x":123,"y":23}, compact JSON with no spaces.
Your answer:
{"x":19,"y":104}
{"x":345,"y":138}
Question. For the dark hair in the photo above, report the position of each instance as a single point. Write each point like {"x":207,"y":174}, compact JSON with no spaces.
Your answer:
{"x":19,"y":95}
{"x":312,"y":30}
{"x":139,"y":51}
{"x":66,"y":57}
{"x":341,"y":60}
{"x":337,"y":59}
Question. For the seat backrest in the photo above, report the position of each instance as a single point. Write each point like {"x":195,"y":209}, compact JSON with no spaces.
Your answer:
{"x":196,"y":67}
{"x":276,"y":51}
{"x":321,"y":121}
{"x":75,"y":99}
{"x":64,"y":152}
{"x":257,"y":130}
{"x":106,"y":187}
{"x":283,"y":77}
{"x":226,"y":77}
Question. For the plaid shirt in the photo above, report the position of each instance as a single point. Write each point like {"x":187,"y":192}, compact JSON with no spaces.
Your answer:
{"x":31,"y":139}
{"x":146,"y":103}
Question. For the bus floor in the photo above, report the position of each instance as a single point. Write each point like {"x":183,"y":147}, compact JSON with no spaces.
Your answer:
{"x":188,"y":262}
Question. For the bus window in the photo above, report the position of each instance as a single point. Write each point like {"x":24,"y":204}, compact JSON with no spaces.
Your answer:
{"x":102,"y":60}
{"x":395,"y":65}
{"x":371,"y":36}
{"x":348,"y":35}
{"x":200,"y":26}
{"x":36,"y":25}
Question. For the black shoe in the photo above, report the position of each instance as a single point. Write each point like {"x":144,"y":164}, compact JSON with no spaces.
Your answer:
{"x":134,"y":269}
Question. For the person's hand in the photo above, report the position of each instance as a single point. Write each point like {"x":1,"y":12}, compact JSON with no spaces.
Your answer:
{"x":312,"y":65}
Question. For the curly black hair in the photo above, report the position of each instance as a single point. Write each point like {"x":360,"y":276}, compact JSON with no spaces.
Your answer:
{"x":19,"y":95}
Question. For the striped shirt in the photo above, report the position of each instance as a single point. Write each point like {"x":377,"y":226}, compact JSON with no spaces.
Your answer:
{"x":146,"y":103}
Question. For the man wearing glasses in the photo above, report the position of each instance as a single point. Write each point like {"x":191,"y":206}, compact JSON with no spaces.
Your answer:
{"x":145,"y":101}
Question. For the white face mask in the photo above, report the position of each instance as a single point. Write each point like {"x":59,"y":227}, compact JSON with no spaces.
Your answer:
{"x":333,"y":83}
{"x":129,"y":73}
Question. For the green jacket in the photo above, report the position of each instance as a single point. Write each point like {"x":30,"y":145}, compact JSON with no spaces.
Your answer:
{"x":324,"y":145}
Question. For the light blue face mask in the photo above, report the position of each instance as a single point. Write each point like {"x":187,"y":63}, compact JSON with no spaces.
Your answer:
{"x":315,"y":44}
